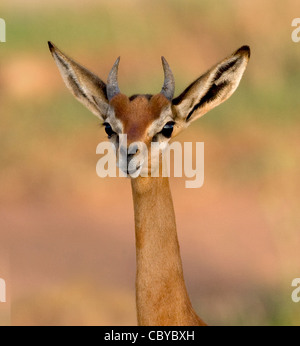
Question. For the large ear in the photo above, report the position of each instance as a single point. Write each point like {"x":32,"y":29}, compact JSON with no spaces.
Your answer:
{"x":212,"y":88}
{"x":89,"y":89}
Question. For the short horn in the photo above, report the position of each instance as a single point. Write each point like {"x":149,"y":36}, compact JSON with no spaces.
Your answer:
{"x":112,"y":87}
{"x":168,"y":88}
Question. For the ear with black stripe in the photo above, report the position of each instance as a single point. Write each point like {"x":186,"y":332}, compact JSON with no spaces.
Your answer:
{"x":212,"y":88}
{"x":89,"y":89}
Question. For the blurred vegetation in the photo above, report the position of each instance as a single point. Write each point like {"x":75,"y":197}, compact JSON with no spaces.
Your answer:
{"x":253,"y":139}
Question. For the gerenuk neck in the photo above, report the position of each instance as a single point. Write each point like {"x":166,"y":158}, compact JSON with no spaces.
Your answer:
{"x":161,"y":294}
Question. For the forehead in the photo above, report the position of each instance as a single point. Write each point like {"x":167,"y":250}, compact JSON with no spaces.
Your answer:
{"x":139,"y":110}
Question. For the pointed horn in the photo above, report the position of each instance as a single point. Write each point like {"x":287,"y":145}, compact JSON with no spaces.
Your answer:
{"x":168,"y":88}
{"x":112,"y":87}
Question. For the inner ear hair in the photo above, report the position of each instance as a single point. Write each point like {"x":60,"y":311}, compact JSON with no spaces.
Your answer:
{"x":87,"y":88}
{"x":212,"y":88}
{"x":212,"y":93}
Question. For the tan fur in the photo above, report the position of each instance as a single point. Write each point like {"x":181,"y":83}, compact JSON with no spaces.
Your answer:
{"x":161,"y":294}
{"x":138,"y":114}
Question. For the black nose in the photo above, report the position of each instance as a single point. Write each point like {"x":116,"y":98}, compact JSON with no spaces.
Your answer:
{"x":129,"y":152}
{"x":132,"y":150}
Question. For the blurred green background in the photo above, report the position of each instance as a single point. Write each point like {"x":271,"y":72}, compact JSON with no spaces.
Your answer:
{"x":69,"y":235}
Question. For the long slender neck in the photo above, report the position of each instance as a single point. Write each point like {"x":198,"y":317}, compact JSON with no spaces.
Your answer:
{"x":161,"y":294}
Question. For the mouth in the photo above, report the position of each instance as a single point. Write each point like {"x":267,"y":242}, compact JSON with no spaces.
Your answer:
{"x":132,"y":172}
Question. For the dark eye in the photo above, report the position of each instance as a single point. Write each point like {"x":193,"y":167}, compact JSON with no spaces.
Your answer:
{"x":108,"y":130}
{"x":168,"y":129}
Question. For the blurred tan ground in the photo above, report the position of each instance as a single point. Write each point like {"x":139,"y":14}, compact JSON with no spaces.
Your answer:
{"x":70,"y":234}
